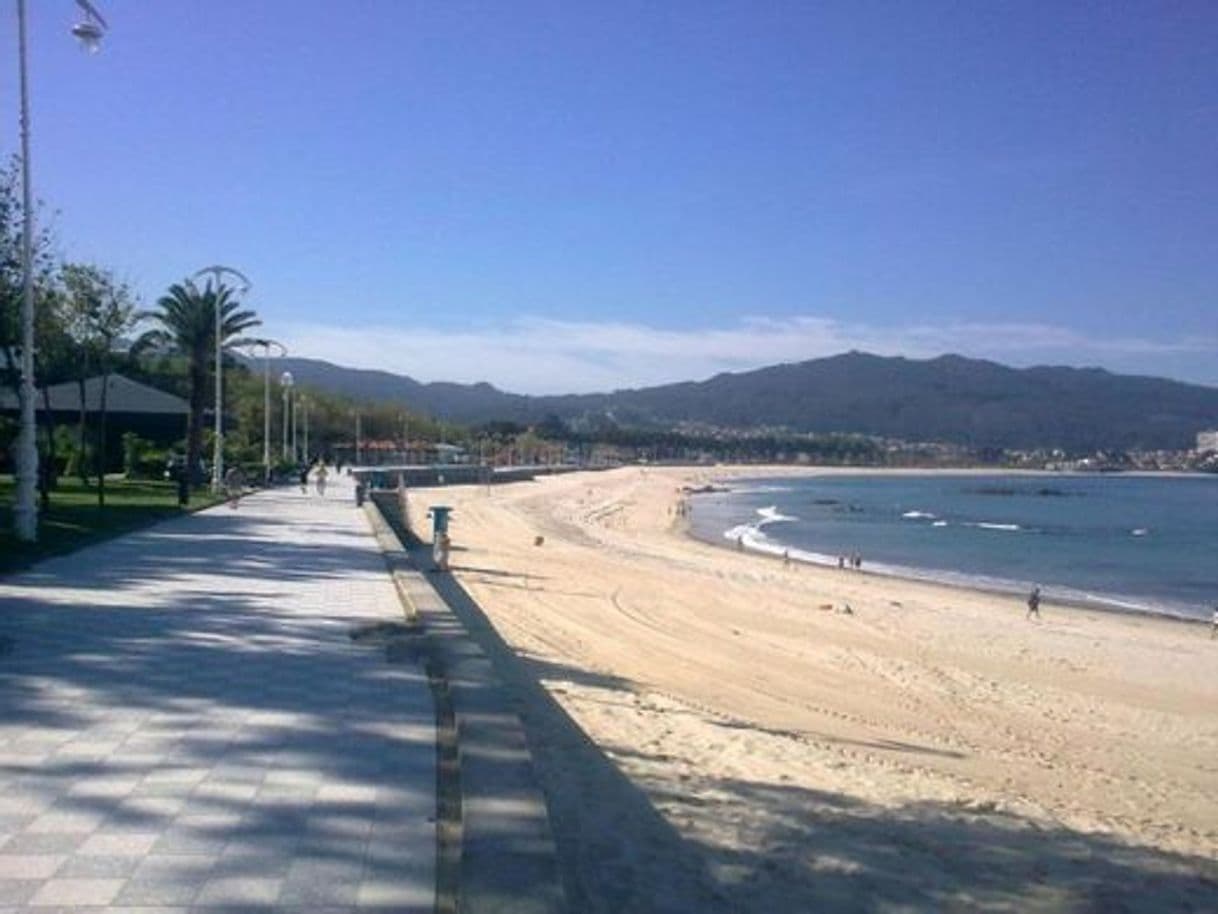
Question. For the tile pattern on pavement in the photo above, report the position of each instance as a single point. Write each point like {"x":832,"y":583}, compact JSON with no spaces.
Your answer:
{"x":186,"y":725}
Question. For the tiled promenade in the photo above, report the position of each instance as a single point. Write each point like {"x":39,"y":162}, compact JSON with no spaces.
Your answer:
{"x":186,"y":725}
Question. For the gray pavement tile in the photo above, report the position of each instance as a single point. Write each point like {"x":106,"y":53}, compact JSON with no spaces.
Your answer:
{"x":76,"y":892}
{"x":30,"y":866}
{"x":42,"y":843}
{"x":236,"y":891}
{"x":119,"y":844}
{"x":18,"y":891}
{"x":64,"y":823}
{"x":99,"y":866}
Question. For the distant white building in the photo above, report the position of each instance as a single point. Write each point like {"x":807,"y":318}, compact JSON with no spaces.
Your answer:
{"x":1207,"y":441}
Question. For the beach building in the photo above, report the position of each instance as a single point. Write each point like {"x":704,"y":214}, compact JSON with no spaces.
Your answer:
{"x":151,"y":413}
{"x":1207,"y":441}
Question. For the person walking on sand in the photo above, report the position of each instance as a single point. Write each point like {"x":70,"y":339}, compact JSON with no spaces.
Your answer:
{"x":1034,"y":603}
{"x":321,"y":479}
{"x":1214,"y":624}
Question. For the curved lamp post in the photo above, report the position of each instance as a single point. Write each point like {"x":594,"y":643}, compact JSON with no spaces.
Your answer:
{"x":286,"y":381}
{"x":304,"y":408}
{"x":266,"y":345}
{"x":218,"y":273}
{"x":25,"y":507}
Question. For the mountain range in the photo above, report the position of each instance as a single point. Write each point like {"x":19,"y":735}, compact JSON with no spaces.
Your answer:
{"x":951,"y":398}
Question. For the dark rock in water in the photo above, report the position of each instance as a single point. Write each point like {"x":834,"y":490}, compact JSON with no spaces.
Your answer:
{"x":703,"y":490}
{"x":1044,"y":491}
{"x":825,"y":501}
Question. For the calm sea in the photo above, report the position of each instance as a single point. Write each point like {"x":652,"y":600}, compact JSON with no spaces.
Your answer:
{"x":1130,"y":542}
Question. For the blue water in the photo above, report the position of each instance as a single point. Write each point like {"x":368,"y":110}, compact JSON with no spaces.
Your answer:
{"x":1131,"y":542}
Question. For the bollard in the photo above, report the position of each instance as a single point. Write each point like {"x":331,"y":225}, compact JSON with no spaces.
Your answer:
{"x":183,"y":490}
{"x":441,"y":545}
{"x":360,"y":494}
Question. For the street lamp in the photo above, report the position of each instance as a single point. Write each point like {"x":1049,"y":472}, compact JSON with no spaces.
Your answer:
{"x":89,"y":31}
{"x":25,"y":507}
{"x":218,"y":273}
{"x":304,"y":407}
{"x":266,"y":399}
{"x":285,"y":381}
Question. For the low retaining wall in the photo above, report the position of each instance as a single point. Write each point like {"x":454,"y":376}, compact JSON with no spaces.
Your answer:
{"x":500,"y":852}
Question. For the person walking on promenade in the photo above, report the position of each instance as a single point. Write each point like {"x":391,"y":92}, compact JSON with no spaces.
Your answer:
{"x":1034,"y":603}
{"x":234,"y":485}
{"x":321,"y":479}
{"x":304,"y":479}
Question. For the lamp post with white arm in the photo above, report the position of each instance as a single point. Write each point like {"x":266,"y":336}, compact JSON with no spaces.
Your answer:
{"x":25,"y":506}
{"x":218,"y":273}
{"x":266,"y":345}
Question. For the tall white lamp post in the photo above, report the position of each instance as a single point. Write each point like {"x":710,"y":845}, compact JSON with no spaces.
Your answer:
{"x":25,"y":505}
{"x":304,"y":408}
{"x":285,"y":381}
{"x":218,"y":273}
{"x":267,"y":345}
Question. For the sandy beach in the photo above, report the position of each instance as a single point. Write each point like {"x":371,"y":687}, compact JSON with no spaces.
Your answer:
{"x":746,"y":744}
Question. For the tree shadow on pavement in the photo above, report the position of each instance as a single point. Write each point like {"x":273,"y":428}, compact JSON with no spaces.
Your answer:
{"x":247,"y":734}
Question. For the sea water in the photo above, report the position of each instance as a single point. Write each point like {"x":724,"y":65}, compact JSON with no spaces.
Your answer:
{"x":1146,"y":543}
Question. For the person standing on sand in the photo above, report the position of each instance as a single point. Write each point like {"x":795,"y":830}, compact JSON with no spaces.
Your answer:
{"x":1214,"y":624}
{"x":1034,"y":603}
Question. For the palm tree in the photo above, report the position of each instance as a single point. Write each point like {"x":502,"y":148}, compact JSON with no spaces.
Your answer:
{"x":186,"y":317}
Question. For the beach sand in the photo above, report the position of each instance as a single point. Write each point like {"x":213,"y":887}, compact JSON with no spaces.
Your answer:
{"x":713,"y":732}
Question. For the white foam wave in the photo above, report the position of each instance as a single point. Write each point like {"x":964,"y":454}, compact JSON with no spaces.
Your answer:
{"x":939,"y":523}
{"x":772,"y":515}
{"x":916,"y":515}
{"x":984,"y":525}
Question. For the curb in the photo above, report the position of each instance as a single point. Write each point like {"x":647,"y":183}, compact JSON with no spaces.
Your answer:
{"x":495,"y":853}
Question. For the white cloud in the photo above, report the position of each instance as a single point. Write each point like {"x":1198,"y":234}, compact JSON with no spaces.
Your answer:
{"x":538,"y":355}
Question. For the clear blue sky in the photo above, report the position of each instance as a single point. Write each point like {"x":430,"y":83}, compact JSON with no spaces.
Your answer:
{"x":567,"y":195}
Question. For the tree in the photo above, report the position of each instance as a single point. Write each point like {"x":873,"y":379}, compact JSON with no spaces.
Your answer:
{"x":98,"y":311}
{"x":186,"y":319}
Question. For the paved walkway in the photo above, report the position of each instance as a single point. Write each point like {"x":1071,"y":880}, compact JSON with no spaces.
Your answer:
{"x":186,"y":725}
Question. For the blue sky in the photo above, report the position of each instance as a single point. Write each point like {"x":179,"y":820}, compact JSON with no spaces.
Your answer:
{"x":562,"y":196}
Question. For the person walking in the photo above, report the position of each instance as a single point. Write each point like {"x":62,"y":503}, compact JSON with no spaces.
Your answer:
{"x":1034,"y":603}
{"x":234,"y":485}
{"x":320,"y":475}
{"x":1214,"y":624}
{"x":304,"y":479}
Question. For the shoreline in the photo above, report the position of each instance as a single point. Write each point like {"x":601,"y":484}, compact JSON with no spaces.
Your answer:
{"x":1051,"y":593}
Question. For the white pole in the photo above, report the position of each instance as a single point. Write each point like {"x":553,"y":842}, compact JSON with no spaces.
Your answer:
{"x":285,"y":423}
{"x":304,"y":404}
{"x":217,"y":468}
{"x":266,"y":412}
{"x":25,"y":508}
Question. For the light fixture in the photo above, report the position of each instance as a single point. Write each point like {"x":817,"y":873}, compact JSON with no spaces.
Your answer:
{"x":89,"y":31}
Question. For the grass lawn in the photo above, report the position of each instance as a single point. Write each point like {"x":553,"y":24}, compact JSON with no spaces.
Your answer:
{"x":74,"y":520}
